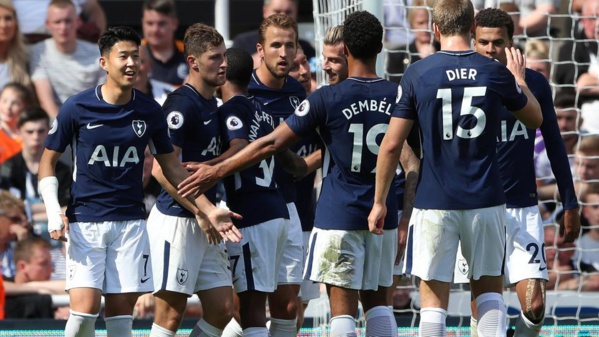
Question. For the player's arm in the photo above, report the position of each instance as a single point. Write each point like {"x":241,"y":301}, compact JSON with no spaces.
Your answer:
{"x":206,"y":211}
{"x":58,"y":224}
{"x":207,"y":176}
{"x":386,"y":164}
{"x":530,"y":114}
{"x":235,"y":145}
{"x":299,"y":166}
{"x":45,"y":94}
{"x":411,"y":166}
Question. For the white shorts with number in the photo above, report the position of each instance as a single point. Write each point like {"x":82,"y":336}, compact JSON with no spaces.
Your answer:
{"x":256,"y":260}
{"x":292,"y":263}
{"x":354,"y":259}
{"x":434,"y":235}
{"x":113,"y":256}
{"x":310,"y":290}
{"x":182,"y":259}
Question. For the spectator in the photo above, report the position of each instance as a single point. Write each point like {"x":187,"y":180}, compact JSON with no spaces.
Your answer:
{"x":19,"y":173}
{"x":537,"y":57}
{"x":28,"y":293}
{"x":14,"y":97}
{"x":13,"y":227}
{"x":423,"y":44}
{"x":248,"y":40}
{"x":63,"y":65}
{"x":159,"y":22}
{"x":158,"y":90}
{"x":32,"y":16}
{"x":13,"y":55}
{"x":559,"y":258}
{"x":534,"y":15}
{"x":586,"y":162}
{"x":397,"y":29}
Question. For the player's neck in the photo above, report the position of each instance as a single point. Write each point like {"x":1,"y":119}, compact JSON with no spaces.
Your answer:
{"x":360,"y":68}
{"x":267,"y":78}
{"x":229,"y":90}
{"x":115,"y":94}
{"x":455,"y":43}
{"x":67,"y":47}
{"x":205,"y":90}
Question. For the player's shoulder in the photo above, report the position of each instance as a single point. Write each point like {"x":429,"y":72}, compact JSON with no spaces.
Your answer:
{"x":145,"y":100}
{"x":237,"y":104}
{"x":293,"y":86}
{"x":181,"y":98}
{"x":535,"y":78}
{"x":86,"y":96}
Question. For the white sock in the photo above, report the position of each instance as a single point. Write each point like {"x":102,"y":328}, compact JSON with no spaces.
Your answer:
{"x":204,"y":329}
{"x":283,"y":327}
{"x":343,"y":326}
{"x":380,"y":322}
{"x":80,"y":325}
{"x":119,"y":325}
{"x":256,"y":332}
{"x":158,"y":331}
{"x":526,"y":328}
{"x":432,"y":322}
{"x":491,"y":315}
{"x":233,"y":329}
{"x":473,"y":327}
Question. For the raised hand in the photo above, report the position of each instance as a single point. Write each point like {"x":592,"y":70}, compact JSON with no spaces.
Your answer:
{"x":516,"y":63}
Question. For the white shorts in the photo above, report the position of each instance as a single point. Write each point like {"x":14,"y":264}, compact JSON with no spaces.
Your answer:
{"x":434,"y":235}
{"x":354,"y":259}
{"x":292,"y":263}
{"x":310,"y":290}
{"x":182,"y":259}
{"x":113,"y":256}
{"x":256,"y":259}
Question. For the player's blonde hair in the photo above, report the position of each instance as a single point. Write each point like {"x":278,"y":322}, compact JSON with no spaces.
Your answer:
{"x":333,"y":36}
{"x":453,"y":17}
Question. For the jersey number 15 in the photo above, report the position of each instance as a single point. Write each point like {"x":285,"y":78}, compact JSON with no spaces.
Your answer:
{"x":466,"y":109}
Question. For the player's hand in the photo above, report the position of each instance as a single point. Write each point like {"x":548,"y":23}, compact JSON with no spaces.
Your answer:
{"x":191,"y":166}
{"x":203,"y":178}
{"x":516,"y":63}
{"x":376,"y":219}
{"x":402,"y":237}
{"x":58,"y":229}
{"x":144,"y":307}
{"x":212,"y":235}
{"x":570,"y":228}
{"x":220,"y":219}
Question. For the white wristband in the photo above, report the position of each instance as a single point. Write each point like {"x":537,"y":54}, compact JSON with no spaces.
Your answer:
{"x":48,"y":189}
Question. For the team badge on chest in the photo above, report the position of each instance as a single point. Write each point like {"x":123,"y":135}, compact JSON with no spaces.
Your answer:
{"x":139,"y":127}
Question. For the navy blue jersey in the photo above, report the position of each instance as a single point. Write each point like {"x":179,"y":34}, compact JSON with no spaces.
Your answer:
{"x":351,"y":118}
{"x":108,"y":143}
{"x":194,"y":128}
{"x":515,"y":149}
{"x":457,"y":99}
{"x":252,"y":192}
{"x":280,"y":104}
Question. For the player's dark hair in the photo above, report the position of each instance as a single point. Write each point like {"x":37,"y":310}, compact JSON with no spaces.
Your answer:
{"x":453,"y":17}
{"x":363,"y":35}
{"x":239,"y":67}
{"x":166,"y":7}
{"x":116,"y":34}
{"x":277,"y":20}
{"x":33,"y":113}
{"x":495,"y":18}
{"x":200,"y":37}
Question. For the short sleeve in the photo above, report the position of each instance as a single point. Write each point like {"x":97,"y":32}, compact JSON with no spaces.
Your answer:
{"x":234,"y":118}
{"x":63,"y":128}
{"x":309,"y":114}
{"x":405,"y":101}
{"x":160,"y":141}
{"x":178,"y":112}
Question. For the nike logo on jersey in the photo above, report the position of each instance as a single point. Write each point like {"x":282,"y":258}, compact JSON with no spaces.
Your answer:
{"x":144,"y":280}
{"x":542,"y":268}
{"x":207,"y":122}
{"x":90,"y":126}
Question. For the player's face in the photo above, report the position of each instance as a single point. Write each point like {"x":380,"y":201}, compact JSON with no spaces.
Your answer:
{"x":8,"y":25}
{"x":122,"y":64}
{"x":39,"y":267}
{"x":301,"y":70}
{"x":590,"y":24}
{"x":491,"y":42}
{"x":567,"y":120}
{"x":335,"y":62}
{"x":212,"y":65}
{"x":34,"y":134}
{"x":278,"y":51}
{"x":159,"y":29}
{"x":591,"y":209}
{"x":62,"y":23}
{"x":539,"y":65}
{"x":586,"y":166}
{"x":286,"y":7}
{"x":11,"y":106}
{"x":420,"y":25}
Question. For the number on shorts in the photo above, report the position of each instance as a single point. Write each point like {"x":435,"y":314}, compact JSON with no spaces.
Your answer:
{"x":533,"y":248}
{"x":146,"y":257}
{"x":235,"y":259}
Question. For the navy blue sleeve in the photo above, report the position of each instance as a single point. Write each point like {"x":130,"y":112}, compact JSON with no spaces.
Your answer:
{"x":235,"y":122}
{"x":63,"y":128}
{"x":405,"y":107}
{"x":180,"y":117}
{"x":308,"y":115}
{"x":160,"y":142}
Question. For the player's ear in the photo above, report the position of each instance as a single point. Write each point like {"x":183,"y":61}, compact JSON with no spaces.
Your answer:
{"x":103,"y":64}
{"x":260,"y":50}
{"x":436,"y":32}
{"x":192,"y":61}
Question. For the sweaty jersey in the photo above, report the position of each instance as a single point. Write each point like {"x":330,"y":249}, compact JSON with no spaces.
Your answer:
{"x":351,"y":118}
{"x":457,"y":98}
{"x":280,"y":104}
{"x":194,"y":127}
{"x":253,"y":191}
{"x":515,"y":150}
{"x":108,"y":143}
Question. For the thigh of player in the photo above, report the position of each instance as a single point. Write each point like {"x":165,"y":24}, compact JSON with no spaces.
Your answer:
{"x":290,"y":271}
{"x":86,"y":255}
